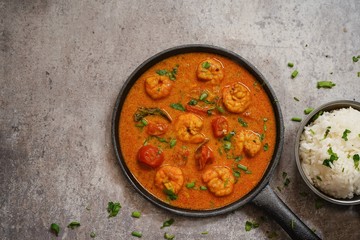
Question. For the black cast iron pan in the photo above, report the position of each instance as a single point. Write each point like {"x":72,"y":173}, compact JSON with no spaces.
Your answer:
{"x":262,"y":195}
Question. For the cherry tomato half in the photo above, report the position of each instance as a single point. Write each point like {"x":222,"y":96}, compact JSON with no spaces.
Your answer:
{"x":220,"y":126}
{"x":203,"y":156}
{"x":150,"y":156}
{"x":156,"y":129}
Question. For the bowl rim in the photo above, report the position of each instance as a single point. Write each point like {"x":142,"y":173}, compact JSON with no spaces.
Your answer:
{"x":327,"y":107}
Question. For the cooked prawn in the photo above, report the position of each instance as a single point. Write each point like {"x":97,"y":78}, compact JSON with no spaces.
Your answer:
{"x":158,"y":86}
{"x":210,"y":70}
{"x":188,"y":127}
{"x":236,"y":97}
{"x":170,"y":178}
{"x":248,"y":142}
{"x":220,"y":181}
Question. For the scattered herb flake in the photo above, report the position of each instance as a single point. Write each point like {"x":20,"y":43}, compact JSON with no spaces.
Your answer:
{"x":167,"y":223}
{"x":308,"y":110}
{"x":92,"y":234}
{"x":294,"y":74}
{"x":325,"y":84}
{"x":296,"y":119}
{"x":73,"y":225}
{"x":203,"y":188}
{"x":169,"y":236}
{"x":192,"y":102}
{"x":136,"y":234}
{"x":136,"y":214}
{"x":190,"y":185}
{"x":170,"y":194}
{"x":113,"y":209}
{"x":177,"y":106}
{"x":290,"y":64}
{"x":356,"y":159}
{"x":327,"y":131}
{"x":242,"y":122}
{"x":345,"y":134}
{"x":203,"y":96}
{"x":333,"y":157}
{"x":296,"y":99}
{"x":286,"y":182}
{"x":266,"y":147}
{"x":172,"y":142}
{"x":54,"y":227}
{"x":206,"y":65}
{"x":355,"y":59}
{"x":250,"y":225}
{"x":204,"y":233}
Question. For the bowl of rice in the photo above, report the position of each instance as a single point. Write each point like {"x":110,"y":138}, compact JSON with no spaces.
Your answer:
{"x":327,"y":150}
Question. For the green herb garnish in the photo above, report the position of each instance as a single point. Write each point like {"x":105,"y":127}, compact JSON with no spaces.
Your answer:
{"x":203,"y":188}
{"x":192,"y":102}
{"x":73,"y":225}
{"x":290,"y":64}
{"x":227,"y":146}
{"x":333,"y":157}
{"x":203,"y":96}
{"x":266,"y":147}
{"x":190,"y":185}
{"x":356,"y":159}
{"x":136,"y":214}
{"x":325,"y":84}
{"x":136,"y":234}
{"x":178,"y":106}
{"x":170,"y":194}
{"x":169,"y":236}
{"x":170,"y":74}
{"x":113,"y":209}
{"x":204,"y":233}
{"x":345,"y":133}
{"x":296,"y":99}
{"x":294,"y":74}
{"x":296,"y":119}
{"x":242,"y":167}
{"x":250,"y":225}
{"x":327,"y":131}
{"x":308,"y":110}
{"x":168,"y":223}
{"x":242,"y":122}
{"x":229,"y":136}
{"x":172,"y":142}
{"x":54,"y":227}
{"x":355,"y":59}
{"x":206,"y":65}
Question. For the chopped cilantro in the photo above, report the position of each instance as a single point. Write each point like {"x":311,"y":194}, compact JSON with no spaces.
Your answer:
{"x":170,"y":194}
{"x":266,"y":147}
{"x":308,"y":110}
{"x":345,"y":133}
{"x":172,"y":142}
{"x":250,"y":225}
{"x":206,"y":65}
{"x":294,"y":74}
{"x":356,"y":159}
{"x":113,"y":209}
{"x":168,"y":223}
{"x":296,"y":99}
{"x":73,"y":225}
{"x":327,"y":131}
{"x":54,"y":227}
{"x":192,"y":102}
{"x":333,"y":157}
{"x":290,"y":64}
{"x":177,"y":106}
{"x":190,"y":185}
{"x":325,"y":84}
{"x":169,"y":236}
{"x":242,"y":122}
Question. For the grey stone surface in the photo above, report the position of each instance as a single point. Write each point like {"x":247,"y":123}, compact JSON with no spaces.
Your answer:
{"x":64,"y":62}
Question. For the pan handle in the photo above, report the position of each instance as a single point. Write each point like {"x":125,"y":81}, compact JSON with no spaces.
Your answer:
{"x":271,"y":203}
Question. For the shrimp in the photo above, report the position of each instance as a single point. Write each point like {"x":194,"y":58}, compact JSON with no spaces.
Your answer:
{"x":188,"y":127}
{"x":219,"y":180}
{"x":248,"y":142}
{"x":236,"y":97}
{"x":169,"y":178}
{"x":210,"y":70}
{"x":158,"y":86}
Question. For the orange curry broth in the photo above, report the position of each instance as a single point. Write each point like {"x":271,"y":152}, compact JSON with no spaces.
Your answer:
{"x":132,"y":137}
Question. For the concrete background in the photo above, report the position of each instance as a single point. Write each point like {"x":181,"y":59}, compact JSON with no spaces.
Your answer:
{"x":64,"y":62}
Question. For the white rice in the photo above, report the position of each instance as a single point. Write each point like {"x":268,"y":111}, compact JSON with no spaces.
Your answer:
{"x":341,"y":179}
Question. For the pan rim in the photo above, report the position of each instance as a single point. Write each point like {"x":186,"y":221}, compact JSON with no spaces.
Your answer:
{"x":188,"y":49}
